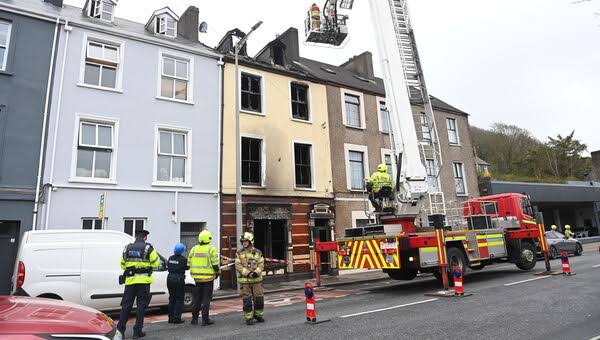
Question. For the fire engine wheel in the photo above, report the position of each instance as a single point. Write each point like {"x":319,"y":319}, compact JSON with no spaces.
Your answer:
{"x":402,"y":274}
{"x":455,"y":258}
{"x":527,"y":257}
{"x":553,"y":252}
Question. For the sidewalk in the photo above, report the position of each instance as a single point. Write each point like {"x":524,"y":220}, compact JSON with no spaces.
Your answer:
{"x":326,"y":281}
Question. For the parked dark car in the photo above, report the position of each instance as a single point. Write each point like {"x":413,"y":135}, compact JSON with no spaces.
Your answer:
{"x":558,"y":243}
{"x":38,"y":318}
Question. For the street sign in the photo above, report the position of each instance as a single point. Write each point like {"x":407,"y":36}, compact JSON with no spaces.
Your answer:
{"x":101,"y":206}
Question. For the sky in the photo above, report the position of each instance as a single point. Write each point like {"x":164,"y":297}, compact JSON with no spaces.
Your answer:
{"x":533,"y":63}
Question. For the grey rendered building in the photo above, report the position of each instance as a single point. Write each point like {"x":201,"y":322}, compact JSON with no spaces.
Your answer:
{"x":134,"y":130}
{"x":26,"y":62}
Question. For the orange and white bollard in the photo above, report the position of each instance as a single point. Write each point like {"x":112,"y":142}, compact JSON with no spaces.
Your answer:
{"x":566,"y":266}
{"x":311,"y":306}
{"x":458,"y":281}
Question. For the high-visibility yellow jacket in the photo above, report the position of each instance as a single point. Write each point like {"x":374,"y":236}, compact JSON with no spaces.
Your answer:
{"x":379,"y":180}
{"x":569,"y":233}
{"x":137,"y":261}
{"x":247,"y":261}
{"x":202,"y":259}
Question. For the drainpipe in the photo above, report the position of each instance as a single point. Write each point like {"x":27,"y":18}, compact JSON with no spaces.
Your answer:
{"x":221,"y":66}
{"x":68,"y":29}
{"x":45,"y":120}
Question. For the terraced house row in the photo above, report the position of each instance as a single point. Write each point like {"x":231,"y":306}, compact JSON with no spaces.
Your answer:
{"x":111,"y":124}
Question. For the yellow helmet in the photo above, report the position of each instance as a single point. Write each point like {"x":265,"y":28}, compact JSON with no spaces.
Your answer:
{"x":382,"y":168}
{"x":553,"y":227}
{"x":205,"y":237}
{"x":567,"y":227}
{"x":247,"y":237}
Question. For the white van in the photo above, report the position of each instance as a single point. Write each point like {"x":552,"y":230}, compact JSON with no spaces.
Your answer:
{"x":82,"y":266}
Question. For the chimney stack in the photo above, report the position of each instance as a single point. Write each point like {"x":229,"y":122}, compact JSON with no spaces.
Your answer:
{"x":189,"y":23}
{"x":361,"y":64}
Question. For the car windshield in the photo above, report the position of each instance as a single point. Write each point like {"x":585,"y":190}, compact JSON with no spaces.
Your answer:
{"x":559,"y":235}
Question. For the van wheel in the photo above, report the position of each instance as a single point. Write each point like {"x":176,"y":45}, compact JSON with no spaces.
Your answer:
{"x":188,"y":298}
{"x":527,"y":256}
{"x":50,"y":296}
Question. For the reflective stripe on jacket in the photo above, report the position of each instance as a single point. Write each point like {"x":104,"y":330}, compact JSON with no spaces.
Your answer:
{"x":137,"y":261}
{"x":201,"y":259}
{"x":380,"y":180}
{"x":248,"y":261}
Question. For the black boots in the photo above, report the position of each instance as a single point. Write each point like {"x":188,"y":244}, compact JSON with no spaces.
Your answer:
{"x":250,"y":322}
{"x":207,"y":322}
{"x":194,"y":321}
{"x":259,"y":319}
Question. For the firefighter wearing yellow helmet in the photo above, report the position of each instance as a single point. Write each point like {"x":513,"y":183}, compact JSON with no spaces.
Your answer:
{"x":378,"y":180}
{"x":568,"y":232}
{"x":203,"y":260}
{"x":249,"y":264}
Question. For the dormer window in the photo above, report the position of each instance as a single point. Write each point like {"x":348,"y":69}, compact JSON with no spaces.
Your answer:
{"x":166,"y":25}
{"x":102,"y":9}
{"x":278,"y":56}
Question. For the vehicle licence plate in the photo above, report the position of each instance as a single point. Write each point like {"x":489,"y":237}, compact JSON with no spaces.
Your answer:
{"x":386,"y":245}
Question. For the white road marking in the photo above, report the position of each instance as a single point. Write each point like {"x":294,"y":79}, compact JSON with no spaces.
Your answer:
{"x":388,"y":308}
{"x":596,"y":338}
{"x":528,"y":280}
{"x":596,"y":266}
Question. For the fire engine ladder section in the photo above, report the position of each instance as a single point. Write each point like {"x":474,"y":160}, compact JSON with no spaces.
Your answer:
{"x":425,"y":121}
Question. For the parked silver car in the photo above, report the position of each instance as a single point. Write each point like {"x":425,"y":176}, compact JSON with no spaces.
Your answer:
{"x":559,"y":243}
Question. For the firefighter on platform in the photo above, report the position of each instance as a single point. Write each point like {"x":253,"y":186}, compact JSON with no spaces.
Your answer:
{"x":177,"y":265}
{"x":249,"y":264}
{"x":553,"y":227}
{"x":378,"y":180}
{"x":315,"y":17}
{"x":568,"y":232}
{"x":204,"y":268}
{"x":137,"y":262}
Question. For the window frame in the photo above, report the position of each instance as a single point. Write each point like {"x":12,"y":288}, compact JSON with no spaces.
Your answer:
{"x":424,"y":122}
{"x":4,"y":65}
{"x":103,"y":222}
{"x":135,"y":219}
{"x":379,"y":101}
{"x":361,"y":110}
{"x":357,"y":148}
{"x":429,"y":176}
{"x":81,"y":119}
{"x":448,"y":120}
{"x":97,"y":9}
{"x":263,"y":160}
{"x":190,"y":81}
{"x":188,"y":160}
{"x":159,"y":23}
{"x":263,"y":92}
{"x":308,"y":103}
{"x":463,"y":178}
{"x":103,"y":40}
{"x":312,"y":165}
{"x":388,"y":152}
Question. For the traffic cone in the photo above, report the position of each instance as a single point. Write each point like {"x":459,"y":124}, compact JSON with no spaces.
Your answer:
{"x":566,"y":266}
{"x":311,"y":306}
{"x":458,"y":281}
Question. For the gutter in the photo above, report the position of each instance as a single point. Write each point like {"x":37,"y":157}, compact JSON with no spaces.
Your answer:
{"x":44,"y":123}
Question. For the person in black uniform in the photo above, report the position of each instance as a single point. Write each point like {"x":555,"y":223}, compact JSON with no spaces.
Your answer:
{"x":177,"y":265}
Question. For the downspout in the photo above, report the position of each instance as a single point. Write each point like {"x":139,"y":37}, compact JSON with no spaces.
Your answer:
{"x":221,"y":66}
{"x":45,"y":121}
{"x":68,"y":29}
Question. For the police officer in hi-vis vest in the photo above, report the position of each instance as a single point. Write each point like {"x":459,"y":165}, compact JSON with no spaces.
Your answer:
{"x":137,"y":262}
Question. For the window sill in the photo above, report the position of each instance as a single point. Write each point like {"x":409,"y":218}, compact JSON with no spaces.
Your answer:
{"x":248,"y":186}
{"x":172,"y":184}
{"x":462,"y":195}
{"x":384,"y":132}
{"x":305,"y":189}
{"x":355,"y":127}
{"x":6,"y":73}
{"x":357,"y":190}
{"x":253,"y":113}
{"x":302,"y":121}
{"x":92,"y":180}
{"x":108,"y":89}
{"x":454,"y":144}
{"x":175,"y":100}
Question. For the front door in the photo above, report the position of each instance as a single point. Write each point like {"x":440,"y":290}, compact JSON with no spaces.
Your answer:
{"x":270,"y":237}
{"x":9,"y":242}
{"x":322,"y":230}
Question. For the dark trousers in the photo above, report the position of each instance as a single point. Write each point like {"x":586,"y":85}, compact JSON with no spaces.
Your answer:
{"x":374,"y":198}
{"x":203,"y":294}
{"x":141,"y":294}
{"x":176,"y":286}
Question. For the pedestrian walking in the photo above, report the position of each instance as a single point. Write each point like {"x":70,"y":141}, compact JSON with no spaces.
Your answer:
{"x":249,"y":264}
{"x":204,"y":268}
{"x":137,"y":262}
{"x":177,"y":265}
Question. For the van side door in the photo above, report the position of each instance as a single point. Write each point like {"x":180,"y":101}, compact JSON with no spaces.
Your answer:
{"x":100,"y":270}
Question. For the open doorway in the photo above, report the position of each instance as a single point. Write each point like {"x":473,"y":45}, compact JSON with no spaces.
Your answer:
{"x":270,"y":236}
{"x":322,"y":231}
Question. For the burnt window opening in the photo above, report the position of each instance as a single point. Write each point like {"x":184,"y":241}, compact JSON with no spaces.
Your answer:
{"x":251,"y":161}
{"x":251,"y":93}
{"x":278,"y":55}
{"x":300,"y":108}
{"x":303,"y":165}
